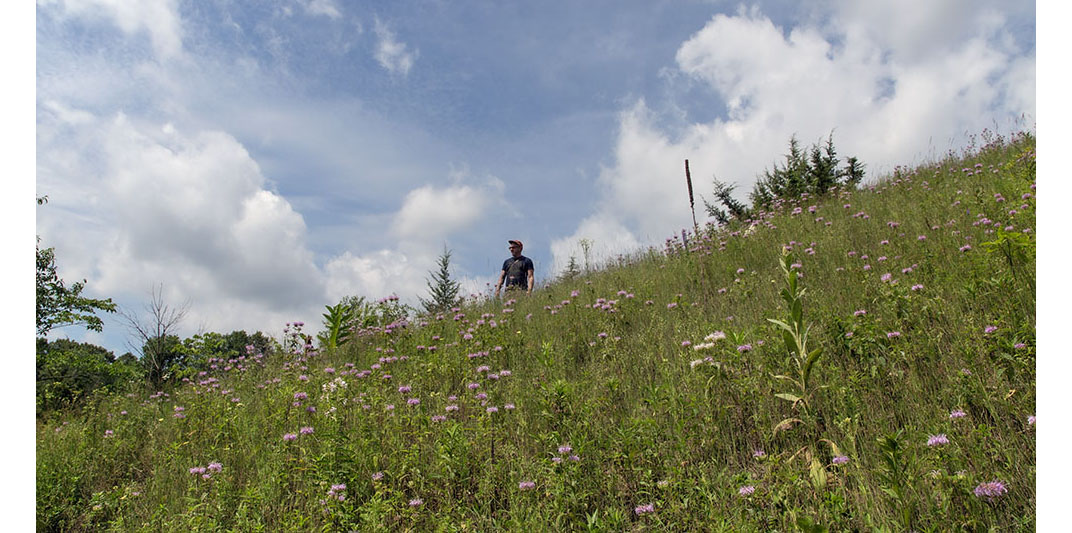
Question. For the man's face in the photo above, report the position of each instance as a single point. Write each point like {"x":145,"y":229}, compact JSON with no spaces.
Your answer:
{"x":515,"y":250}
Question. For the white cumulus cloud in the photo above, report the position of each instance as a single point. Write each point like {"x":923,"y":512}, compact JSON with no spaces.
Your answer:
{"x":884,"y":101}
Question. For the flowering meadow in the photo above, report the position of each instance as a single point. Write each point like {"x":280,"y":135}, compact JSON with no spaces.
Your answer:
{"x":864,"y":360}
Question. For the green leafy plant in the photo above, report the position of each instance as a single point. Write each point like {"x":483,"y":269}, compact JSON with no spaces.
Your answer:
{"x":795,"y":334}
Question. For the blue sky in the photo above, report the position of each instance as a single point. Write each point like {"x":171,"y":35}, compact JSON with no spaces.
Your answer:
{"x":264,"y":159}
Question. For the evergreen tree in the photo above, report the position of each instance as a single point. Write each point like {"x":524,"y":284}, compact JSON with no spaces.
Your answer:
{"x":572,"y":269}
{"x":442,"y":289}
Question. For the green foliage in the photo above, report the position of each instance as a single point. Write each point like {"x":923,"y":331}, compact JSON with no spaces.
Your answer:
{"x":163,"y":358}
{"x":194,"y":353}
{"x":814,"y":172}
{"x":894,"y":475}
{"x":338,"y":322}
{"x":795,"y":335}
{"x":442,"y":290}
{"x":734,"y":209}
{"x":68,"y":372}
{"x":58,"y":305}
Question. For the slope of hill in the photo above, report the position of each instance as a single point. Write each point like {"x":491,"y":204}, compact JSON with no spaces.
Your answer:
{"x":653,"y":394}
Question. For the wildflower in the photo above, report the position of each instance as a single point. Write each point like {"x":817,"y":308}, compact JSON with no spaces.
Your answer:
{"x":108,"y":433}
{"x":509,"y":407}
{"x":965,"y":248}
{"x":957,"y":413}
{"x":452,"y":407}
{"x":481,"y":396}
{"x":413,"y":401}
{"x":937,"y":440}
{"x":1018,"y":346}
{"x":686,"y":344}
{"x":744,"y":348}
{"x":671,"y":305}
{"x":507,"y":373}
{"x":416,"y":502}
{"x":859,"y":312}
{"x":1031,"y":420}
{"x":307,"y":430}
{"x":922,"y":238}
{"x":290,"y":437}
{"x":329,"y":370}
{"x":759,"y":454}
{"x":746,"y":490}
{"x":840,"y":460}
{"x":526,"y":485}
{"x":197,"y":470}
{"x":644,"y":509}
{"x":303,"y":377}
{"x":893,"y":334}
{"x":438,"y":418}
{"x":377,"y":476}
{"x":215,"y":467}
{"x":990,"y":329}
{"x":474,"y":386}
{"x":492,"y":409}
{"x":556,"y":459}
{"x":887,"y":277}
{"x":574,"y":458}
{"x":404,"y":389}
{"x":715,"y":336}
{"x":564,"y":449}
{"x":482,"y":368}
{"x":917,"y":287}
{"x":300,"y":396}
{"x":990,"y":491}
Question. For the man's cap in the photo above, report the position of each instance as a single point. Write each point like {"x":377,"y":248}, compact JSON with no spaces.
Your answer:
{"x":518,"y":243}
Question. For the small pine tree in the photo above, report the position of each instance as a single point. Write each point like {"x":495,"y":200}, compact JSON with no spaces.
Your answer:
{"x":572,"y":269}
{"x":442,"y":289}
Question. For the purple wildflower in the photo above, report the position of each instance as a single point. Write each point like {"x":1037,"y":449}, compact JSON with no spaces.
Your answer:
{"x":840,"y":460}
{"x":290,"y":436}
{"x":990,"y":491}
{"x":746,"y":490}
{"x":990,"y":329}
{"x":377,"y":476}
{"x":307,"y":430}
{"x":936,"y":440}
{"x":416,"y":502}
{"x":526,"y":485}
{"x":744,"y":348}
{"x":644,"y":509}
{"x":957,"y":413}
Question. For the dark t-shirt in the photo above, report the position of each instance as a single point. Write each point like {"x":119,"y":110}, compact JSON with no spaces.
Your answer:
{"x":517,"y":269}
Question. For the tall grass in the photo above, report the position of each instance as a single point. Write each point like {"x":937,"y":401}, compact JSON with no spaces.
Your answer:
{"x":609,"y":402}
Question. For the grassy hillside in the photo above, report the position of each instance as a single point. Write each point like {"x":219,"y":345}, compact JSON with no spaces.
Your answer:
{"x":652,"y":395}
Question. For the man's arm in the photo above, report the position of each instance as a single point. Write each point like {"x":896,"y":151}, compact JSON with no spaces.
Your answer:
{"x":498,"y":284}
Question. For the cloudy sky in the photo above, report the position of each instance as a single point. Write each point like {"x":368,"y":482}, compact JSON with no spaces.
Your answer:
{"x":263,"y":159}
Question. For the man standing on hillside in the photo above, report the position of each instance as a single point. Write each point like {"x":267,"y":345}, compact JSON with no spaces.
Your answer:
{"x":517,"y":271}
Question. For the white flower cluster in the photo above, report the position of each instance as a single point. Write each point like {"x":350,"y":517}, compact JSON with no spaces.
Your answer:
{"x":330,"y":387}
{"x":718,"y":335}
